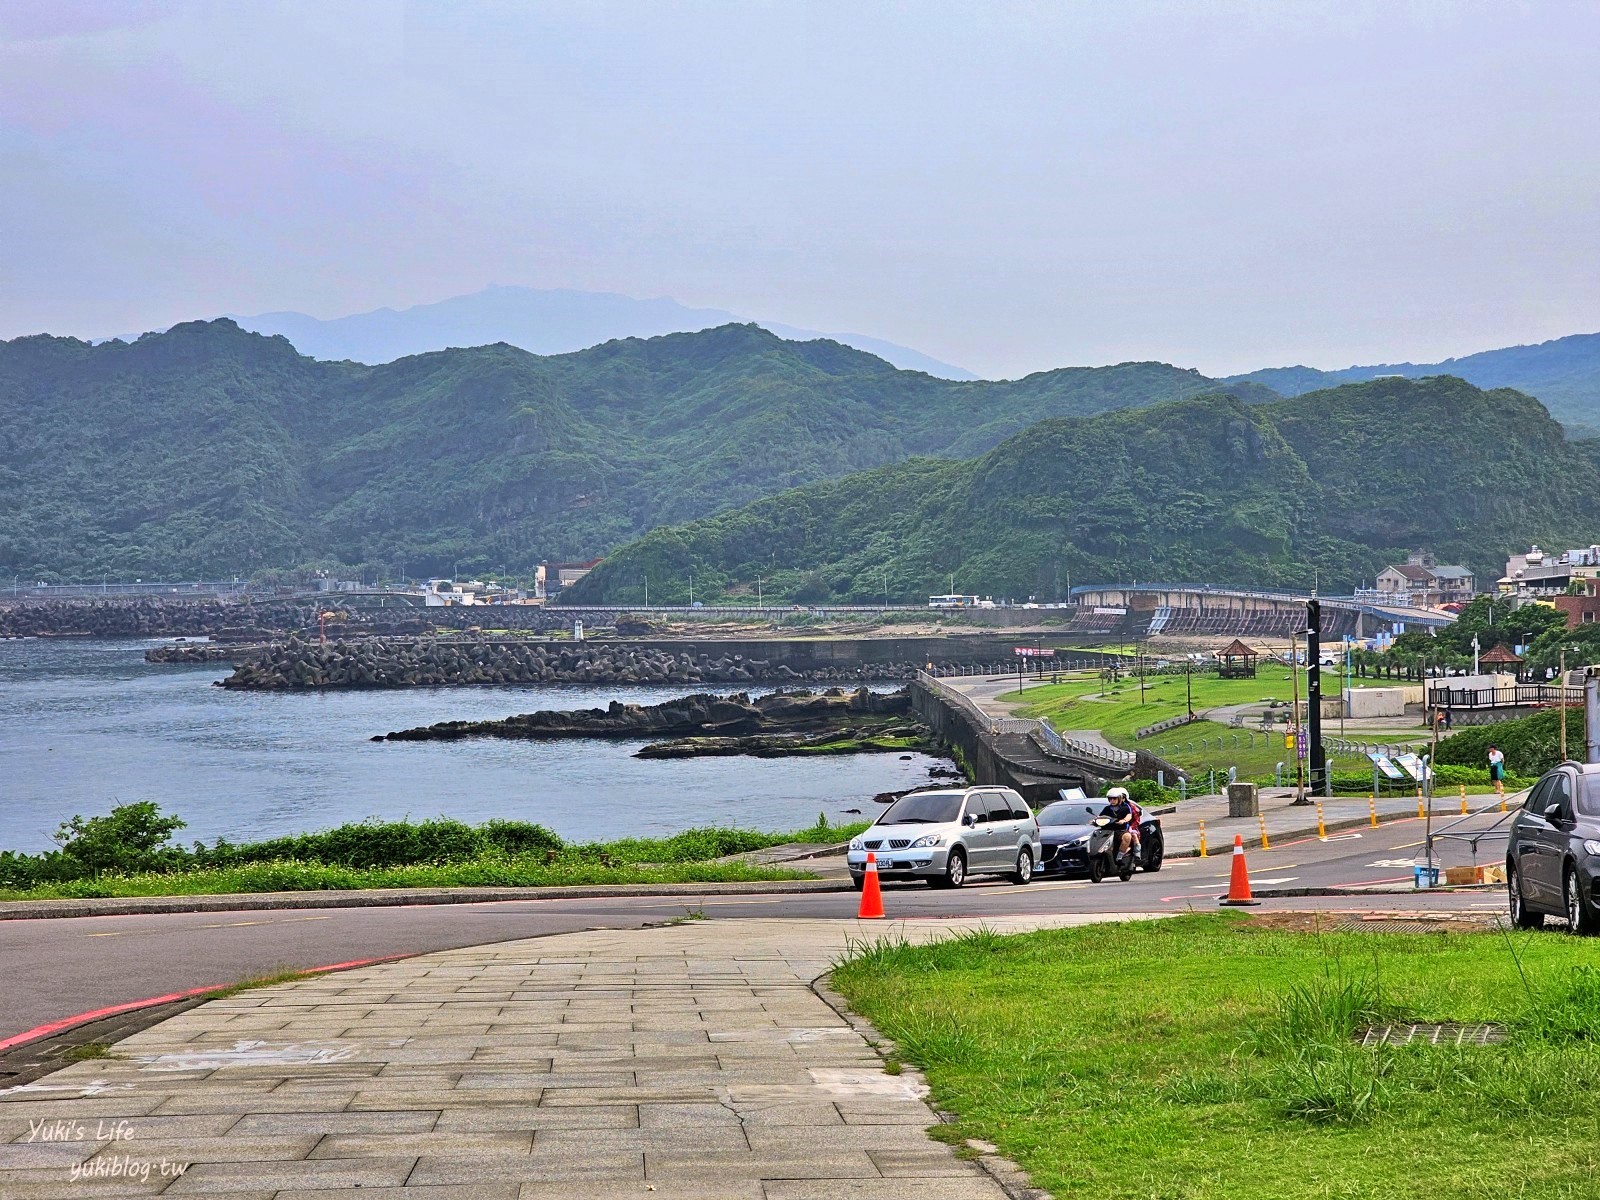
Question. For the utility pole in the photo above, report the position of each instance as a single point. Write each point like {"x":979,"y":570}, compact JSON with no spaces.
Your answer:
{"x":1562,"y":680}
{"x":758,"y":591}
{"x":1188,"y":686}
{"x":1317,"y":756}
{"x":1138,"y":650}
{"x":691,"y":591}
{"x":886,"y":589}
{"x":647,"y":591}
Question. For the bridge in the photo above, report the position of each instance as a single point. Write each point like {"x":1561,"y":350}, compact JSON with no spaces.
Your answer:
{"x":1139,"y":610}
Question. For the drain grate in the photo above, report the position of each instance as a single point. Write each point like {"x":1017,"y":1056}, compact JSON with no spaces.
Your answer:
{"x":1404,"y":925}
{"x":1433,"y":1035}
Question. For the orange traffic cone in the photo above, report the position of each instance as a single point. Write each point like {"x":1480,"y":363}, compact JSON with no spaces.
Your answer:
{"x":1238,"y":881}
{"x":872,"y":898}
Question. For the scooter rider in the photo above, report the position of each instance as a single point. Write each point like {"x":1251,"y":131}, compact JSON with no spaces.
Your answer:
{"x":1120,"y":811}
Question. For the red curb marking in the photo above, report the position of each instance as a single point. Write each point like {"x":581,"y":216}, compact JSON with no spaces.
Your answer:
{"x":41,"y":1031}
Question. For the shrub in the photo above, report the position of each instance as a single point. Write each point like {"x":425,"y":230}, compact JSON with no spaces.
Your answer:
{"x":132,"y":837}
{"x":1531,"y":744}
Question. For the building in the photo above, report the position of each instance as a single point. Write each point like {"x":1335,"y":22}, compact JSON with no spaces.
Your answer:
{"x":1538,"y":575}
{"x":1419,"y":582}
{"x":568,"y":573}
{"x":1580,"y":604}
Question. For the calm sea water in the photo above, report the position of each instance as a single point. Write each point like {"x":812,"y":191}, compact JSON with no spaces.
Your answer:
{"x":87,"y":724}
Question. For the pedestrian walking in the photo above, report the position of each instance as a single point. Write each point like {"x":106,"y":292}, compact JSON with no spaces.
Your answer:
{"x":1448,"y":721}
{"x":1497,"y":770}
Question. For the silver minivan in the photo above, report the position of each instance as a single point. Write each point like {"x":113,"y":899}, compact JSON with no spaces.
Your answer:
{"x":946,"y":835}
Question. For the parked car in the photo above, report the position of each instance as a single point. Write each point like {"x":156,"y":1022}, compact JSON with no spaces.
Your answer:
{"x":945,"y":836}
{"x":1553,"y":850}
{"x":1068,"y":845}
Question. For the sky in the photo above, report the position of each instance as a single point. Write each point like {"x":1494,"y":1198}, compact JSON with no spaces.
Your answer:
{"x":1006,"y":186}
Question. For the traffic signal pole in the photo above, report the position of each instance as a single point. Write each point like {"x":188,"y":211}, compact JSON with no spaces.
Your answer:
{"x":1317,"y":757}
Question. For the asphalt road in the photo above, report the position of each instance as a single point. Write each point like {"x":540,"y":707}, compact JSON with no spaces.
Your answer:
{"x":59,"y":968}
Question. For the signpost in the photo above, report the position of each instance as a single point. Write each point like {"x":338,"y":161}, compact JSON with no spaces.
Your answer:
{"x":1318,"y":756}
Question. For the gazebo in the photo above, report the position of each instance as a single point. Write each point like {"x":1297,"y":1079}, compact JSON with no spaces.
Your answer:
{"x":1236,"y":661}
{"x":1502,"y":659}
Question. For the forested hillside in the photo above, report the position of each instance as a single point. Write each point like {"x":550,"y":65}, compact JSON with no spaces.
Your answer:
{"x":208,"y":450}
{"x":1208,"y":489}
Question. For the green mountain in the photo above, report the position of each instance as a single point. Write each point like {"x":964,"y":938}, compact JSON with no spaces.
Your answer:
{"x":1208,"y":489}
{"x":1563,"y":374}
{"x":208,"y":450}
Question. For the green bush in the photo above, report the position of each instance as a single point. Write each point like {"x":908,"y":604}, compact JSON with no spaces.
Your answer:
{"x":133,"y":837}
{"x":1531,"y":745}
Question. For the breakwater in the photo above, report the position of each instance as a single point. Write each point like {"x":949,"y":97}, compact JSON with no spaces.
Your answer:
{"x":298,"y":665}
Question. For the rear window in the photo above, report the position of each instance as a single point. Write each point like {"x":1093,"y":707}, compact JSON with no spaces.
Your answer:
{"x":1589,"y":795}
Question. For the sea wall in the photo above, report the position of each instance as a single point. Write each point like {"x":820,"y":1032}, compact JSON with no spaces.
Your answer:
{"x":426,"y":662}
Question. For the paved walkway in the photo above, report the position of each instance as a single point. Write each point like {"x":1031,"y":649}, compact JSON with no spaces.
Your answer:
{"x":687,"y":1062}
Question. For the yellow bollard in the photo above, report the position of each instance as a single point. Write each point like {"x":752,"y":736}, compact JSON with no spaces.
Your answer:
{"x":1203,"y":853}
{"x":1463,"y":799}
{"x":1322,"y":830}
{"x":1420,"y":812}
{"x":1372,"y":807}
{"x":1502,"y":802}
{"x":1265,"y":844}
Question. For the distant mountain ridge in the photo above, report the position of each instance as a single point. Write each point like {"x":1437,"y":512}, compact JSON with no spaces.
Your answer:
{"x":541,"y":321}
{"x":1563,"y":374}
{"x":209,"y":448}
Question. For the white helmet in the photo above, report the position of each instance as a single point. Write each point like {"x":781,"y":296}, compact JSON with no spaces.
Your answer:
{"x":1117,"y":793}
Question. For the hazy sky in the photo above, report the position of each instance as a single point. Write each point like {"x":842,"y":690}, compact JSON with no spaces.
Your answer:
{"x":1005,"y":186}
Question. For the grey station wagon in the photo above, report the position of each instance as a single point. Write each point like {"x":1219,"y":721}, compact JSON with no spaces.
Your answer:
{"x":1553,"y":851}
{"x":944,"y":836}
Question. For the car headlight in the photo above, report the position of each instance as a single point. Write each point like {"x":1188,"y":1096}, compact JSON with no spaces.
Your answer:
{"x":1592,"y":847}
{"x":855,"y":843}
{"x":930,"y":839}
{"x":1083,"y":841}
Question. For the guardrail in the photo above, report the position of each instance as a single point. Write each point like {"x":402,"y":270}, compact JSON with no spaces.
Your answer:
{"x":1163,"y":726}
{"x":1040,"y":730}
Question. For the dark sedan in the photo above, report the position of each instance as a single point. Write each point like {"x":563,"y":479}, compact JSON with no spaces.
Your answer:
{"x":1553,"y":850}
{"x":1065,"y":830}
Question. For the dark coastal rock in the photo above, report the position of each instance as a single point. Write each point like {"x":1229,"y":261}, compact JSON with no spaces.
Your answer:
{"x":792,"y":715}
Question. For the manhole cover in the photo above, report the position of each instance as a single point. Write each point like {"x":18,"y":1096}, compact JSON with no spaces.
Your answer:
{"x":1433,"y":1035}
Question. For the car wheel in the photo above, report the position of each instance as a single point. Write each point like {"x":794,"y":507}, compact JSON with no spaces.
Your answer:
{"x":1024,"y":871}
{"x":1580,"y":918}
{"x":1521,"y":915}
{"x":1128,"y":868}
{"x":1097,"y":868}
{"x":955,"y":869}
{"x":860,"y":882}
{"x":1155,"y":851}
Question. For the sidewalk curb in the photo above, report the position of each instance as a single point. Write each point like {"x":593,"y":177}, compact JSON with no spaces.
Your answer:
{"x":128,"y":906}
{"x":1288,"y":892}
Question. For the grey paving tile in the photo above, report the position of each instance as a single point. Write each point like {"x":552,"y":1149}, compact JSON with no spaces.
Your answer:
{"x":302,"y":1173}
{"x":975,"y":1188}
{"x":663,"y":1165}
{"x":531,"y":1169}
{"x":505,"y":1190}
{"x":728,"y":1189}
{"x":127,"y":1128}
{"x":44,"y":1155}
{"x":320,"y":1123}
{"x":608,"y":1116}
{"x":449,"y":1143}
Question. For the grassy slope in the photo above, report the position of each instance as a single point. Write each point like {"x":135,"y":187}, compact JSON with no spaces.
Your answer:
{"x":1174,"y":1060}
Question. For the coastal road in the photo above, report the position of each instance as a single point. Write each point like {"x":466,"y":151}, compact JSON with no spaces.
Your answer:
{"x":61,"y":967}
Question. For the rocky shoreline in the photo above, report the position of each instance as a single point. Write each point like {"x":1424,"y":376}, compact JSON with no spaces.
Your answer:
{"x":300,"y":665}
{"x":797,"y":722}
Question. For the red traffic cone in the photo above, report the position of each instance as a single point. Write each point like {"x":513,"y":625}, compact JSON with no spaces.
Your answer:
{"x":871,"y":897}
{"x":1239,"y":879}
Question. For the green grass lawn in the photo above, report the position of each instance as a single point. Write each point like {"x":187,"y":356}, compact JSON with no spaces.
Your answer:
{"x":1210,"y":1058}
{"x":1078,"y":703}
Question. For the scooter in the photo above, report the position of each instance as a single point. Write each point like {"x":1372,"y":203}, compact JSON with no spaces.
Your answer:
{"x":1104,"y":856}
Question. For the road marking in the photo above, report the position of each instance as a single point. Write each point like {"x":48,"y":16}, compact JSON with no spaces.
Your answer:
{"x":1393,"y":862}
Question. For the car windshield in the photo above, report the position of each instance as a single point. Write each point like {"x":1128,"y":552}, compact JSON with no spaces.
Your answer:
{"x":1065,"y":812}
{"x":923,"y":808}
